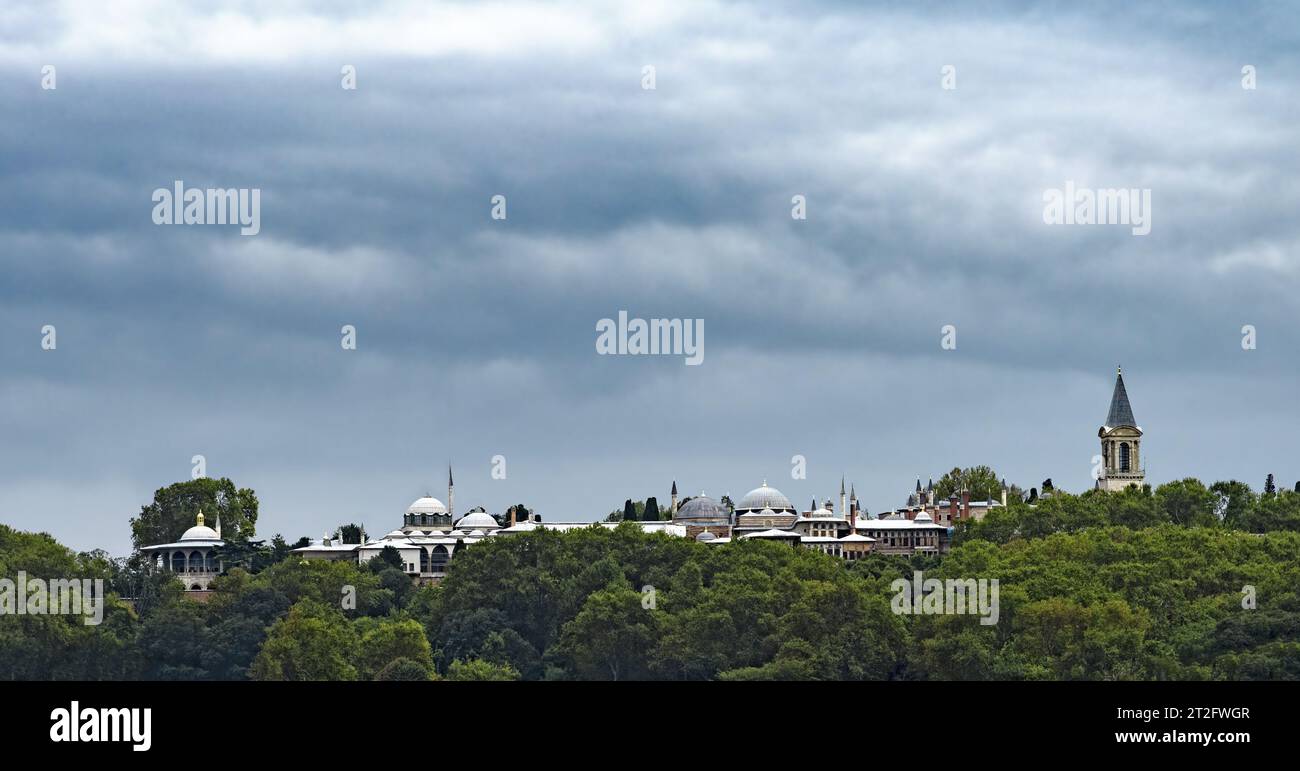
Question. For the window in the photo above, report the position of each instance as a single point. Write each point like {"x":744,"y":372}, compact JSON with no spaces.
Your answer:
{"x":438,"y":559}
{"x":1124,"y":457}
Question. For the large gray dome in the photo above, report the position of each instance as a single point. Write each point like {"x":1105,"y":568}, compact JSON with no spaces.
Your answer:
{"x":701,"y":507}
{"x":764,"y":498}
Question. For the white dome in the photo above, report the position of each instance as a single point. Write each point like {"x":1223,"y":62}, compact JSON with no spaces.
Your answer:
{"x":924,"y":517}
{"x":427,"y":505}
{"x":764,"y":498}
{"x":823,"y":514}
{"x":200,"y":533}
{"x":477,"y":520}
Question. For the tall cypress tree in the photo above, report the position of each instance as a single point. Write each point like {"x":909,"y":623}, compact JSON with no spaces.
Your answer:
{"x":629,"y":511}
{"x":651,"y":509}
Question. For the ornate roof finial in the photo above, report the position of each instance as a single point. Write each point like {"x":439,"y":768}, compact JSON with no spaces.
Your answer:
{"x":199,"y":519}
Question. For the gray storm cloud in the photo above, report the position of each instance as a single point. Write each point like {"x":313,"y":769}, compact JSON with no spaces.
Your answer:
{"x":475,"y":336}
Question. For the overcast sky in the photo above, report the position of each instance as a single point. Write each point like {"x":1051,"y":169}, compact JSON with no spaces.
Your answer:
{"x":475,"y":337}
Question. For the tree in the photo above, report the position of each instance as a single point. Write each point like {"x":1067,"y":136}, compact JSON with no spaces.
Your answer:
{"x":608,"y":638}
{"x":313,"y":642}
{"x":479,"y":670}
{"x":388,"y":557}
{"x":390,"y":641}
{"x":405,"y":670}
{"x":175,"y":508}
{"x":352,"y":533}
{"x":629,"y":511}
{"x":651,"y":510}
{"x":1269,"y":487}
{"x":1234,"y":502}
{"x":980,"y":481}
{"x":1187,"y":502}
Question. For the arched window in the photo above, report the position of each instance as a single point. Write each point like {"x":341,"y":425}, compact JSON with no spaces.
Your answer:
{"x":424,"y":560}
{"x":1124,"y":457}
{"x":196,"y":562}
{"x":438,"y":559}
{"x":178,"y":562}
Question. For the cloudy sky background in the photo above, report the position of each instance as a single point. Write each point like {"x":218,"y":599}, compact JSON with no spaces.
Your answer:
{"x":476,"y":337}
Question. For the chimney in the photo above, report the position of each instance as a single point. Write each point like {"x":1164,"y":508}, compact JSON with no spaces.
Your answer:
{"x":512,"y":516}
{"x":965,"y":502}
{"x":954,"y":513}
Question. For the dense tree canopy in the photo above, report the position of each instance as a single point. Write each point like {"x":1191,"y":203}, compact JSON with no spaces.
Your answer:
{"x":1180,"y":582}
{"x":175,"y":507}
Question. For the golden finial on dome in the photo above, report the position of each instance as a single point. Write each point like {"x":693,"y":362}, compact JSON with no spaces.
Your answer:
{"x":200,"y":518}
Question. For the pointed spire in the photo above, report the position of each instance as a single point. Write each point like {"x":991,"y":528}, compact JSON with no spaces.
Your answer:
{"x":853,"y":494}
{"x":674,"y":487}
{"x":918,"y":484}
{"x":841,"y":485}
{"x":450,"y":483}
{"x":1121,"y":413}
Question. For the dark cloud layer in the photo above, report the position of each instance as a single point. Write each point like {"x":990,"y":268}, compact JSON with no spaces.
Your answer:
{"x":477,"y":337}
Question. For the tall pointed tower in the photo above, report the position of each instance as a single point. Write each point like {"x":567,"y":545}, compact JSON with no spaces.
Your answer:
{"x":451,"y":496}
{"x":1121,"y":461}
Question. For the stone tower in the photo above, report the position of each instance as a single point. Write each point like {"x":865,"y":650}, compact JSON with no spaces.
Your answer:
{"x":1121,"y":439}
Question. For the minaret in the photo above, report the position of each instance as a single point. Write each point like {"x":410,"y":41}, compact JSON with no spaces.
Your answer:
{"x":218,"y":527}
{"x":844,"y":509}
{"x":1121,"y":439}
{"x":1004,"y":492}
{"x":674,"y":497}
{"x":853,"y":511}
{"x":451,"y":496}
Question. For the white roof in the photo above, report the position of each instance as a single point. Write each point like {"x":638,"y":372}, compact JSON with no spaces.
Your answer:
{"x":198,"y":543}
{"x":773,"y":533}
{"x":317,"y":546}
{"x":897,"y":524}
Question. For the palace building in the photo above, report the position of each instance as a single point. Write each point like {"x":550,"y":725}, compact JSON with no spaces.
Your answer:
{"x":191,"y":558}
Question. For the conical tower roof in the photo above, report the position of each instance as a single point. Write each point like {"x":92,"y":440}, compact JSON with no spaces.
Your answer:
{"x":1121,"y":412}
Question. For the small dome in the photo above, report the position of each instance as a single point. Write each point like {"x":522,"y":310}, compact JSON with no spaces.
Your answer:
{"x":767,"y":513}
{"x":823,"y":513}
{"x":426,"y":505}
{"x":705,"y":537}
{"x":764,"y":498}
{"x":200,"y":533}
{"x":478,"y":520}
{"x":702,"y":507}
{"x":395,"y":534}
{"x":924,"y":516}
